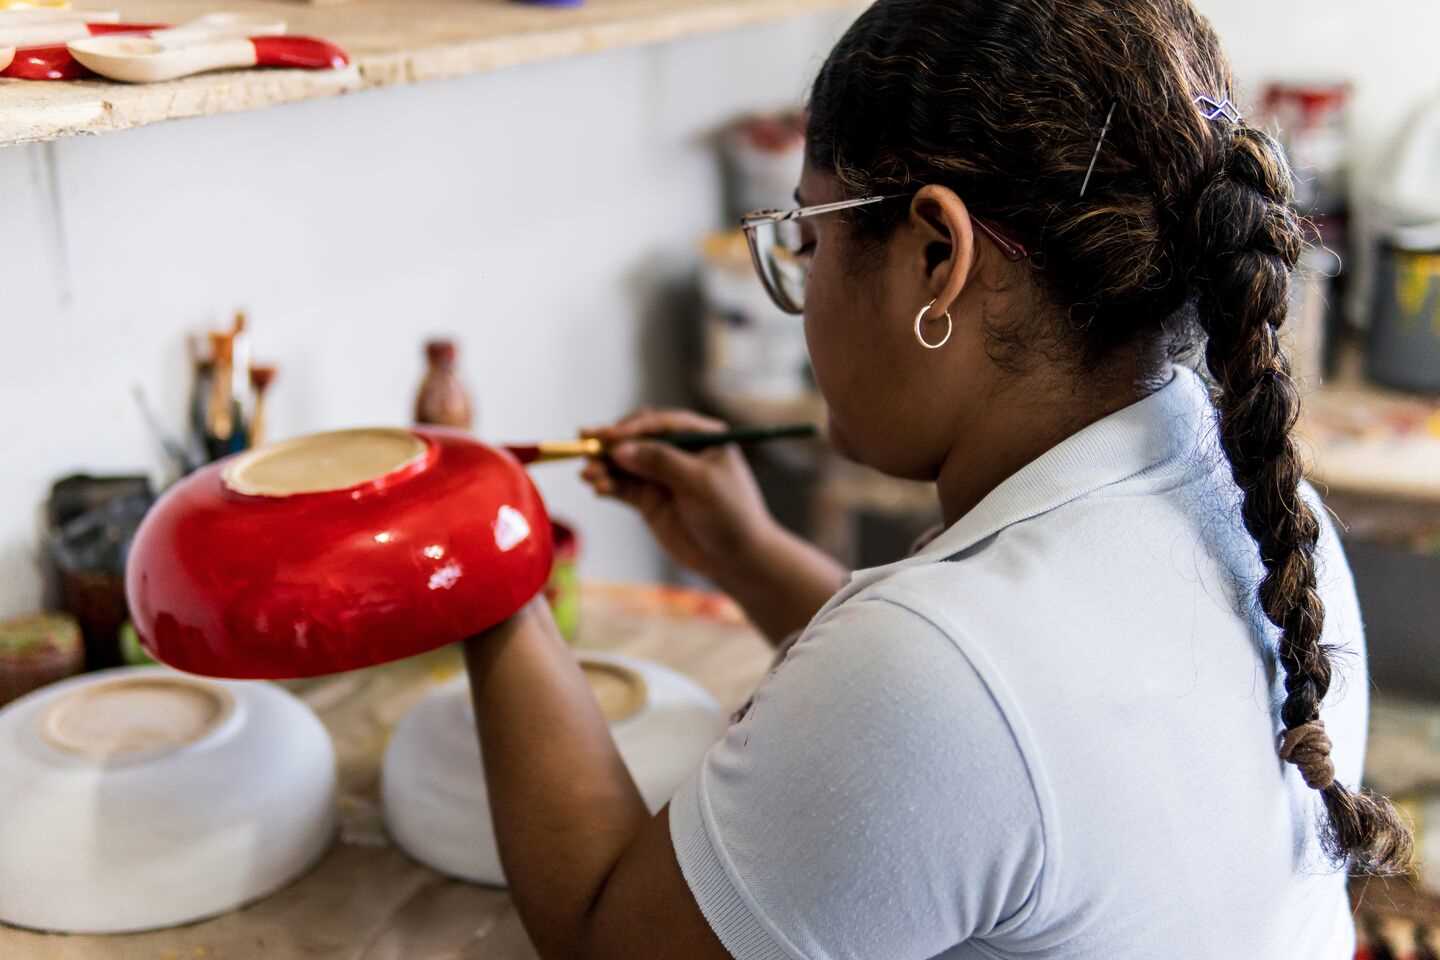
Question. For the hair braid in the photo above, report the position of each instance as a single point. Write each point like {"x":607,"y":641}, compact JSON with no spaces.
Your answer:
{"x":1247,"y":240}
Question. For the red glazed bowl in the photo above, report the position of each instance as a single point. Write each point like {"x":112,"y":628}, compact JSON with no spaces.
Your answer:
{"x":336,"y":551}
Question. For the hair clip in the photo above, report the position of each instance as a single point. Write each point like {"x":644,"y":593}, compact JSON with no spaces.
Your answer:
{"x":1100,"y":143}
{"x":1215,"y":109}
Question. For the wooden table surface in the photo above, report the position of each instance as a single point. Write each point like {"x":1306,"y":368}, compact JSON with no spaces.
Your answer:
{"x":367,"y":900}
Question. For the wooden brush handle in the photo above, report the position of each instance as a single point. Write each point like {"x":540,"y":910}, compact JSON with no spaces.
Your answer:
{"x":688,"y":441}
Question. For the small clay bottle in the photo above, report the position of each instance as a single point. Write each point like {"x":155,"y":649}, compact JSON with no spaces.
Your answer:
{"x":443,"y":401}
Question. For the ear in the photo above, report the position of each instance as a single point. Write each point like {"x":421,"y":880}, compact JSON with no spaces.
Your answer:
{"x":947,"y":243}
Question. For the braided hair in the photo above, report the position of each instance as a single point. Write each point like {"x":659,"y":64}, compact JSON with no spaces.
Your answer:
{"x":1185,"y":230}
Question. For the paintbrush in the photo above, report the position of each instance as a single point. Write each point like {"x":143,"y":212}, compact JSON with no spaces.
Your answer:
{"x":691,"y":442}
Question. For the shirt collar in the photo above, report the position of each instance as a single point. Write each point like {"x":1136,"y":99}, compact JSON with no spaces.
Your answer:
{"x":1167,"y":424}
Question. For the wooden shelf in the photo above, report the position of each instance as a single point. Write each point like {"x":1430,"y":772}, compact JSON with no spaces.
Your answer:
{"x":390,"y":41}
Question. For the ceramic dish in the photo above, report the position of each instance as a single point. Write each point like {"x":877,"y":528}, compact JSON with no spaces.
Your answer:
{"x":141,"y":798}
{"x":42,"y":53}
{"x":434,"y":793}
{"x":132,"y":59}
{"x":336,"y":551}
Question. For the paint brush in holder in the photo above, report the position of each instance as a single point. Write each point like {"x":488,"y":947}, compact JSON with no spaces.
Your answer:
{"x":224,"y":418}
{"x":691,"y":442}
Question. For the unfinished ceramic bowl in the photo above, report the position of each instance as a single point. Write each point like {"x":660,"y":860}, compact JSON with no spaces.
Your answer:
{"x":336,"y":551}
{"x":141,"y":798}
{"x":436,"y":807}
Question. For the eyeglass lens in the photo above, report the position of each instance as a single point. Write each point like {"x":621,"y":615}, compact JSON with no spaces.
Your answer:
{"x":776,"y":248}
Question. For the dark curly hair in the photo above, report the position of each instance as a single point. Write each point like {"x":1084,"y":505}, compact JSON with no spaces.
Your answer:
{"x":1185,"y":229}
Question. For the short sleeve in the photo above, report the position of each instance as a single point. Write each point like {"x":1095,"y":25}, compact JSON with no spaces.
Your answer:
{"x":872,"y":803}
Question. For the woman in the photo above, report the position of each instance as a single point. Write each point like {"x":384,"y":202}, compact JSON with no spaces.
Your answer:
{"x":1100,"y":715}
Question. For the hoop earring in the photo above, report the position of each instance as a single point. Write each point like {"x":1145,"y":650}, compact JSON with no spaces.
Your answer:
{"x":920,"y":328}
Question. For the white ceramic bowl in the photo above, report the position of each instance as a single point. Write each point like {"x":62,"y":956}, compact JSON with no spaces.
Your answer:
{"x":142,"y":798}
{"x":436,"y":806}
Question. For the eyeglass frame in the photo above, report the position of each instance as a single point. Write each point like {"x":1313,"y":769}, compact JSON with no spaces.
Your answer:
{"x":1012,"y":250}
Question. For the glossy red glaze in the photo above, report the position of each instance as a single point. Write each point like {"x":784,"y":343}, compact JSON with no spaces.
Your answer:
{"x":229,"y":585}
{"x":307,"y":53}
{"x":45,"y":63}
{"x":101,"y":29}
{"x":54,"y":62}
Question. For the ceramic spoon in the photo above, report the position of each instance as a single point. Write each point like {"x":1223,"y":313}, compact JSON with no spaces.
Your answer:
{"x":6,"y":55}
{"x":53,"y":61}
{"x":218,"y":26}
{"x":143,"y":60}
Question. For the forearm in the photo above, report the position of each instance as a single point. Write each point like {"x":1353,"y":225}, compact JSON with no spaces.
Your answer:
{"x":563,"y":804}
{"x":782,"y":582}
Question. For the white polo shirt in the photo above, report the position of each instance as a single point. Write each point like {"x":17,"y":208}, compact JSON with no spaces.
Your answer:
{"x":1050,"y":733}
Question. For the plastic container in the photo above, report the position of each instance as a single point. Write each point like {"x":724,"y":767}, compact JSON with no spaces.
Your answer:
{"x":37,"y":650}
{"x":752,"y":348}
{"x":1405,"y":327}
{"x":1410,"y":191}
{"x":764,"y":156}
{"x":1312,"y":124}
{"x":563,"y":589}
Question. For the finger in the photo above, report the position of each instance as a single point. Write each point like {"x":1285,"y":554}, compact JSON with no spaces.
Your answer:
{"x":646,"y":422}
{"x":662,"y":464}
{"x":599,"y":480}
{"x":674,"y":421}
{"x":609,"y":431}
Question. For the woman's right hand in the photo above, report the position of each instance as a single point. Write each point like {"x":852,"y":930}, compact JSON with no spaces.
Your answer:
{"x":705,"y":509}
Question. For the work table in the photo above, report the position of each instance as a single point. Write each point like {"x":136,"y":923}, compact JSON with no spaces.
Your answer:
{"x":367,"y":900}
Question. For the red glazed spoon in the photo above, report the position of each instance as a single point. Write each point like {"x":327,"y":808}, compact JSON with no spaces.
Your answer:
{"x":141,"y":60}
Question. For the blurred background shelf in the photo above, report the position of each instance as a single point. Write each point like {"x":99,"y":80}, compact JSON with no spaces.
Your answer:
{"x":391,"y":42}
{"x":1366,"y":441}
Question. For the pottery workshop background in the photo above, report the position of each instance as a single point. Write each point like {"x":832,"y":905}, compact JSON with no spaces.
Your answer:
{"x":352,"y":229}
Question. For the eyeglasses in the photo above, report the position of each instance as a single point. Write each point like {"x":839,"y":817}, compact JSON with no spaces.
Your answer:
{"x":783,"y":263}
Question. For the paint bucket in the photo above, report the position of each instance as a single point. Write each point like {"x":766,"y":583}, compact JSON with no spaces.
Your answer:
{"x":1405,"y":332}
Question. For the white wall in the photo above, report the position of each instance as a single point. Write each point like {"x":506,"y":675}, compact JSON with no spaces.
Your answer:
{"x":1388,"y":48}
{"x":533,"y":212}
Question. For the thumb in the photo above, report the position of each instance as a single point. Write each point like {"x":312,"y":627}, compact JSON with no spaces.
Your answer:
{"x":662,"y":464}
